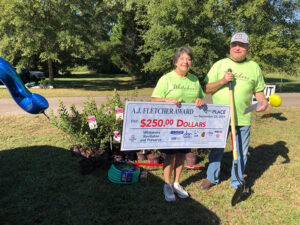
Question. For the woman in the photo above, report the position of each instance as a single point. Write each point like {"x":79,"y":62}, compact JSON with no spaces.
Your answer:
{"x":176,"y":87}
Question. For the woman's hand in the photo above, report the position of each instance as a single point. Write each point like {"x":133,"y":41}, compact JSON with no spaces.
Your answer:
{"x":199,"y":102}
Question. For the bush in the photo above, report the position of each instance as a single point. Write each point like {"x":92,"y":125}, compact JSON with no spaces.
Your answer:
{"x":44,"y":82}
{"x":90,"y":141}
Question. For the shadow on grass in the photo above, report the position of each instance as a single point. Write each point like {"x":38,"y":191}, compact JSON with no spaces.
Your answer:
{"x":97,"y":85}
{"x":272,"y":80}
{"x":262,"y":157}
{"x":284,"y":85}
{"x":99,"y":82}
{"x":43,"y":185}
{"x":107,"y":82}
{"x":259,"y":161}
{"x":289,"y":87}
{"x":277,"y":116}
{"x":93,"y":75}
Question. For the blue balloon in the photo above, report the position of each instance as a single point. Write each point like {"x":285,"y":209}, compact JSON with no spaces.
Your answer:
{"x":30,"y":102}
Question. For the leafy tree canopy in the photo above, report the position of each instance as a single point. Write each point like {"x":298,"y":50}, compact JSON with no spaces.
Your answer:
{"x":141,"y":36}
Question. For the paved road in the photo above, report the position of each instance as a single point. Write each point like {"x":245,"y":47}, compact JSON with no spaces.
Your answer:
{"x":9,"y":107}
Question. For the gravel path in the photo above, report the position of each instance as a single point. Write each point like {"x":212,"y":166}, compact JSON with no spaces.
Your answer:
{"x":9,"y":107}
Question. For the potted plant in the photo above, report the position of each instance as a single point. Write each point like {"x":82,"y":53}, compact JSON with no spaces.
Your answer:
{"x":141,"y":155}
{"x":191,"y":157}
{"x":90,"y":132}
{"x":153,"y":157}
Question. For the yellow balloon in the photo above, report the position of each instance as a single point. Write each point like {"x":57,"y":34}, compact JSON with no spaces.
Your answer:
{"x":275,"y":100}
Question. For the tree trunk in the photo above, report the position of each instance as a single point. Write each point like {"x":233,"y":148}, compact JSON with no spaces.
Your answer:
{"x":50,"y":69}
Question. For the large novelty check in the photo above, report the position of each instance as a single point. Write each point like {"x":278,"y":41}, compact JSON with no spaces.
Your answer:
{"x":159,"y":125}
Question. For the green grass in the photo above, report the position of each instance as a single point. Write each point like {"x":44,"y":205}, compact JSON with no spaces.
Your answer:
{"x":89,"y":84}
{"x":92,"y":84}
{"x":40,"y":182}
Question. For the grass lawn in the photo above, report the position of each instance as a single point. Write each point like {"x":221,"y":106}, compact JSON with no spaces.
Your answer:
{"x":91,"y":84}
{"x":40,"y":182}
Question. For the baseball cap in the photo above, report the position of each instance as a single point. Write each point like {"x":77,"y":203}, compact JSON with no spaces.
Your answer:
{"x":240,"y":37}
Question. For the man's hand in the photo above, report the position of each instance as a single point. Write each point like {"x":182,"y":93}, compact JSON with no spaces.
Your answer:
{"x":263,"y":106}
{"x":213,"y":87}
{"x":228,"y":76}
{"x":260,"y":96}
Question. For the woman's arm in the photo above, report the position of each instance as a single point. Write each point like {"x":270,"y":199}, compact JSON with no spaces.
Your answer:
{"x":170,"y":100}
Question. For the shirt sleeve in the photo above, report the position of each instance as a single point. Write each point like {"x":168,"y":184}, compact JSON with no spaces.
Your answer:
{"x":201,"y":92}
{"x":160,"y":90}
{"x":260,"y":83}
{"x":212,"y":75}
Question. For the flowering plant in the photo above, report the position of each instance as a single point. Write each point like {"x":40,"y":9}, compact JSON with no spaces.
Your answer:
{"x":92,"y":130}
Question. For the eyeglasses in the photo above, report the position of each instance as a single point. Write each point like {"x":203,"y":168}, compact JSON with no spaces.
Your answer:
{"x":242,"y":45}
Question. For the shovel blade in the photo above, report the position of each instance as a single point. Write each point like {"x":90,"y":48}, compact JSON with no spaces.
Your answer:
{"x":237,"y":195}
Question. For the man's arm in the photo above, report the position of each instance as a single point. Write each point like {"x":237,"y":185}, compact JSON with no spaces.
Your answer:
{"x":213,"y":87}
{"x":260,"y":96}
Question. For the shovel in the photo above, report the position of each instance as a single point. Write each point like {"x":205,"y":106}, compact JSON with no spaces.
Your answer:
{"x":239,"y":191}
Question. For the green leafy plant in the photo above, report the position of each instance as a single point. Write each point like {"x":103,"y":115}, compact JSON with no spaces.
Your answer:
{"x":44,"y":83}
{"x":75,"y":124}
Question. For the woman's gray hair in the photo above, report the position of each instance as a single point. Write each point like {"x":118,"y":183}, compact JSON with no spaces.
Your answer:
{"x":180,"y":51}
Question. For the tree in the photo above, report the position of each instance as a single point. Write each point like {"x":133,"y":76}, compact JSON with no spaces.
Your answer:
{"x":104,"y":18}
{"x":274,"y":32}
{"x":44,"y":29}
{"x":175,"y":23}
{"x":141,"y":36}
{"x":124,"y":41}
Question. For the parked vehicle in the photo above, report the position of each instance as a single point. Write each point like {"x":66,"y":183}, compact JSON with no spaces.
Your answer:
{"x":38,"y":75}
{"x":28,"y":76}
{"x":31,"y":76}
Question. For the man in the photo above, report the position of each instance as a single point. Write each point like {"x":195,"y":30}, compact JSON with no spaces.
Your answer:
{"x":247,"y":80}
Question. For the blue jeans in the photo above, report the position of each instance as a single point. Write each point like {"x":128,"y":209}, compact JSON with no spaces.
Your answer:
{"x":216,"y":154}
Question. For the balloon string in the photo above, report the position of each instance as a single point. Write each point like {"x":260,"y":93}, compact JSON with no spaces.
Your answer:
{"x":268,"y":111}
{"x":46,"y":115}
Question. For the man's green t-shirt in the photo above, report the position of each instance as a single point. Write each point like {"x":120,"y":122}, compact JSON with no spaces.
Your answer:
{"x":185,"y":89}
{"x":248,"y":80}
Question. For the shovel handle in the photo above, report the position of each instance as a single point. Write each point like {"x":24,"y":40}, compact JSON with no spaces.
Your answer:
{"x":230,"y":82}
{"x":241,"y":187}
{"x":232,"y":119}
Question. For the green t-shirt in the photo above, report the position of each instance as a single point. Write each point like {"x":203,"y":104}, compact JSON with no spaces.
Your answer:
{"x":248,"y":80}
{"x":185,"y":89}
